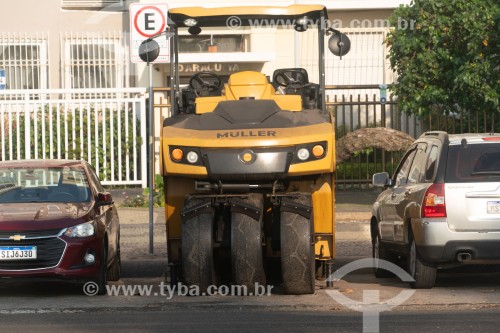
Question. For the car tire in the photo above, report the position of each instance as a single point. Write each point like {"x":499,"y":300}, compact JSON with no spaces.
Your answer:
{"x":423,"y":273}
{"x":102,"y":279}
{"x":379,"y":251}
{"x":114,"y":272}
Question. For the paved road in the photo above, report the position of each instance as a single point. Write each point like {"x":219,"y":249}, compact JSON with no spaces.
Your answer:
{"x":192,"y":320}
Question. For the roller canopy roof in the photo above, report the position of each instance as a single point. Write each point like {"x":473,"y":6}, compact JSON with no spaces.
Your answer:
{"x":207,"y":17}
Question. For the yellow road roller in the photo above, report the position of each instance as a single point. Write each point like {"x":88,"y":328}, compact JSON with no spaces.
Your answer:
{"x":248,"y":162}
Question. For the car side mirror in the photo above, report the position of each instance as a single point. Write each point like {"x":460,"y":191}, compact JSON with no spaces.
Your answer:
{"x":381,"y":179}
{"x":104,"y":199}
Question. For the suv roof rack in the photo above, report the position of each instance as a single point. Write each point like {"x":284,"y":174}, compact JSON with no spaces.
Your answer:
{"x":434,"y":133}
{"x":440,"y":135}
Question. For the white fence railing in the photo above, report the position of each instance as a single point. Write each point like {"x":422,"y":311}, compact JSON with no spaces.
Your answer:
{"x":106,"y":127}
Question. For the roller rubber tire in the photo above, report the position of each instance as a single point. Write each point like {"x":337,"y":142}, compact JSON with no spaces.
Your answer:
{"x":297,"y":251}
{"x":247,"y":262}
{"x":197,"y":249}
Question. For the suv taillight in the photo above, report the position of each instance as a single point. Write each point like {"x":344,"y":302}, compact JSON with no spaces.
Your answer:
{"x":434,"y":204}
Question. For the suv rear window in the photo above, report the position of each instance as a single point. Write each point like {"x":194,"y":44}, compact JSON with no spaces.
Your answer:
{"x":474,"y":163}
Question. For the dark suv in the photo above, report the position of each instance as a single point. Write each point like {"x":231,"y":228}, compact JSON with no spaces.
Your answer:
{"x":442,"y":206}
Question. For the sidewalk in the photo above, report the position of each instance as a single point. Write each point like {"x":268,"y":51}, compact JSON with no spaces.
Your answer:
{"x":354,"y":204}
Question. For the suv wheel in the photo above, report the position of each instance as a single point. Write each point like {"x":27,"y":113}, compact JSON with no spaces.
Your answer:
{"x":380,"y":252}
{"x":424,"y":274}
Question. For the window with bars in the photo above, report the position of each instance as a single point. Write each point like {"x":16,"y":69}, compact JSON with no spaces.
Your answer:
{"x":97,"y":4}
{"x":94,"y":61}
{"x":24,"y":59}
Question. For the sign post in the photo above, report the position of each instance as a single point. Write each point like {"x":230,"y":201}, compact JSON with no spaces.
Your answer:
{"x":147,"y":21}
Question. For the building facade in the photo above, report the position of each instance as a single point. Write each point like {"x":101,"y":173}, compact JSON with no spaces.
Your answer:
{"x":84,"y":44}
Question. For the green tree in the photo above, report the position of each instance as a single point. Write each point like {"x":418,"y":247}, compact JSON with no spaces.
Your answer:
{"x":446,"y":54}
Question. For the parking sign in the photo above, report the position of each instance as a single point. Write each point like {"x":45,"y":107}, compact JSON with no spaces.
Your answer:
{"x":147,"y":20}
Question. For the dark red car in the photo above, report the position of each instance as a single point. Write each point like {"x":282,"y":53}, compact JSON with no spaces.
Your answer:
{"x":56,"y":221}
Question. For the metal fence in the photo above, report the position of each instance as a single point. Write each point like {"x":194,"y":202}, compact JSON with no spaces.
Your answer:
{"x":110,"y":133}
{"x":108,"y":128}
{"x":360,"y":110}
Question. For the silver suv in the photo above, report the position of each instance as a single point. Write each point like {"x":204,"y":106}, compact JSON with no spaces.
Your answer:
{"x":441,"y":208}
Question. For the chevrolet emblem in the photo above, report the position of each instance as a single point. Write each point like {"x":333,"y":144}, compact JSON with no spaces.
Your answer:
{"x":17,"y":238}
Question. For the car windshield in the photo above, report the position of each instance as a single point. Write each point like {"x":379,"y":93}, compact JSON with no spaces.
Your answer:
{"x":473,"y":163}
{"x":42,"y":184}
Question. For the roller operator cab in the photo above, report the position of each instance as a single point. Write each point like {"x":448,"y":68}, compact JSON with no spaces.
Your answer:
{"x":248,"y":165}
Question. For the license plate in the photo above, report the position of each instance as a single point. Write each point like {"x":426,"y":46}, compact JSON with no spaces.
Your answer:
{"x":17,"y":252}
{"x":493,"y":207}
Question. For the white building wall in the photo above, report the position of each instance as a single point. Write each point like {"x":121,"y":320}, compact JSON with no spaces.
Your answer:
{"x":32,"y":17}
{"x":271,"y":50}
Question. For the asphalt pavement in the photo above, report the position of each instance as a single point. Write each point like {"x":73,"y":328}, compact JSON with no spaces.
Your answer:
{"x":240,"y":320}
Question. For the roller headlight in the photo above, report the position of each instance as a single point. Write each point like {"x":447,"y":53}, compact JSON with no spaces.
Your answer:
{"x":192,"y":157}
{"x":81,"y":230}
{"x":310,"y":152}
{"x":303,"y":154}
{"x":190,"y":22}
{"x":186,"y":155}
